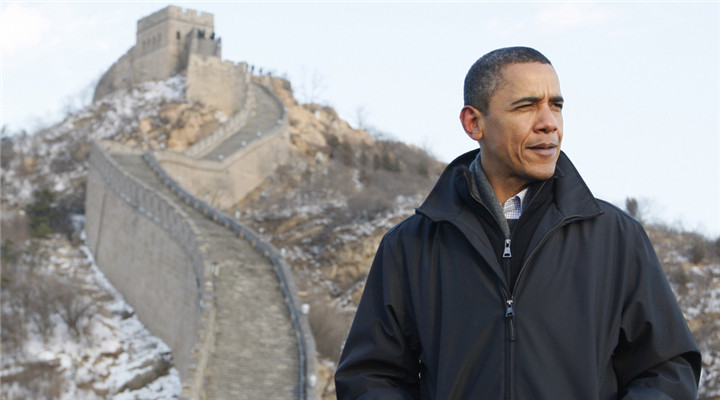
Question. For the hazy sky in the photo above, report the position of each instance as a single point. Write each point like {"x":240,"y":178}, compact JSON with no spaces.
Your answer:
{"x":641,"y":81}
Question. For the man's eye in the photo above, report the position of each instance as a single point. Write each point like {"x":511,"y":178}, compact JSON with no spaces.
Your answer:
{"x":558,"y":105}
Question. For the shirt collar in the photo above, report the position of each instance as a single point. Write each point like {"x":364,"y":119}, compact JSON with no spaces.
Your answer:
{"x":513,"y":206}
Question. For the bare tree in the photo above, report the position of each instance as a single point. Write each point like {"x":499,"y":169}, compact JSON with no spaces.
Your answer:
{"x":361,"y":118}
{"x":73,"y":304}
{"x":312,"y":85}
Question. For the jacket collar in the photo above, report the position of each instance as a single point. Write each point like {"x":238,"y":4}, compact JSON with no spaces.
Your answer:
{"x":446,"y":202}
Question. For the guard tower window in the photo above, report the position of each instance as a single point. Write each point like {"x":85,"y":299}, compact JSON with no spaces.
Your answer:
{"x":177,"y":35}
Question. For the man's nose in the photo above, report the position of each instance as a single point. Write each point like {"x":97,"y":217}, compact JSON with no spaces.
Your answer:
{"x":547,"y":120}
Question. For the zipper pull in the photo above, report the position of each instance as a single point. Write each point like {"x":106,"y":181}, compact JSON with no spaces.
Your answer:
{"x":510,"y":315}
{"x":506,"y":252}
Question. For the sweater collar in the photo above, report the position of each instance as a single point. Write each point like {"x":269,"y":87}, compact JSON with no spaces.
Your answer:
{"x":482,"y":192}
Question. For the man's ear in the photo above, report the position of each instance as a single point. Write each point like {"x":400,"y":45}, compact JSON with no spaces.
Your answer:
{"x":473,"y":122}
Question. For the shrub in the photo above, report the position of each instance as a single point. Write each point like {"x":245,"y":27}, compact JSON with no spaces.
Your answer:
{"x":7,"y":152}
{"x":631,"y":206}
{"x":697,"y":248}
{"x":9,"y":255}
{"x":72,"y":305}
{"x":46,"y":215}
{"x":41,"y":213}
{"x":329,"y":326}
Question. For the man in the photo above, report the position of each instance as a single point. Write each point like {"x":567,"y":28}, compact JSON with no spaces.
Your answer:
{"x":512,"y":281}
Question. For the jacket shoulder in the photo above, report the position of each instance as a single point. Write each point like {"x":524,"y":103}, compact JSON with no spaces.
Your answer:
{"x":619,"y":216}
{"x":414,"y":226}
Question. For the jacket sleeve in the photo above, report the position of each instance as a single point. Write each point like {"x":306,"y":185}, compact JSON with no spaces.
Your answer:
{"x":380,"y":358}
{"x":656,"y":356}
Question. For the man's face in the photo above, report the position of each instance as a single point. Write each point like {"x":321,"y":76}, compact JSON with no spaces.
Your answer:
{"x":523,"y":127}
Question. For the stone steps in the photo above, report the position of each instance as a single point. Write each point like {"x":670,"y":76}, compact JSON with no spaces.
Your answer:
{"x":256,"y":351}
{"x":265,"y":116}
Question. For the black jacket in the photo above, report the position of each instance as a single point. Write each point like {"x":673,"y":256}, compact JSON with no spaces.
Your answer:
{"x":591,"y":315}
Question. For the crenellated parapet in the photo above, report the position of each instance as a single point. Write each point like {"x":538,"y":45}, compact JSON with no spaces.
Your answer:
{"x":233,"y":125}
{"x":230,"y":163}
{"x":306,"y":342}
{"x":186,"y":16}
{"x":155,"y":254}
{"x":147,"y":201}
{"x":179,"y":280}
{"x":224,"y":84}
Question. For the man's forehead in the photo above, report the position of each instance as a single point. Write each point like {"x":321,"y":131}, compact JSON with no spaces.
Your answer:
{"x":518,"y":70}
{"x":533,"y":78}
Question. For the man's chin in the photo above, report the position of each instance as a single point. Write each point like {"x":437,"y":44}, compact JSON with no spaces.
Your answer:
{"x":544,"y":174}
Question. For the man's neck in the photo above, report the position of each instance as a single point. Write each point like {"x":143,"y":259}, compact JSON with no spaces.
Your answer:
{"x":505,"y":188}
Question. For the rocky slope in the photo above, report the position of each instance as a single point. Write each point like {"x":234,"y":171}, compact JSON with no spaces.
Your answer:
{"x":66,"y":333}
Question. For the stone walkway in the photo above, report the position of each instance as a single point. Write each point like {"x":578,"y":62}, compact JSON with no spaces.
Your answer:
{"x":265,"y":116}
{"x":256,"y":351}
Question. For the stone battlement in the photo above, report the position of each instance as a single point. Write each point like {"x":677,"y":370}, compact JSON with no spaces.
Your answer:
{"x":177,"y":13}
{"x":225,"y":66}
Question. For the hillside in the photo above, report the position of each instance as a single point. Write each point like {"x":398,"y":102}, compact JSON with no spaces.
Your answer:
{"x":66,"y":333}
{"x":326,"y":210}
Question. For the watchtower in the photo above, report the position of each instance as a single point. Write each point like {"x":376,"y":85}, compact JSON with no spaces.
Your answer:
{"x":165,"y":41}
{"x":167,"y":37}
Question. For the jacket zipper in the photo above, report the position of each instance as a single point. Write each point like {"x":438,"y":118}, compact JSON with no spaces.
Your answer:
{"x":507,"y":256}
{"x":510,"y":320}
{"x":510,"y":315}
{"x":510,"y":299}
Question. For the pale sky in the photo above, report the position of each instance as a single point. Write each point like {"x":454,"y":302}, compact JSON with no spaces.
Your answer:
{"x":641,"y":81}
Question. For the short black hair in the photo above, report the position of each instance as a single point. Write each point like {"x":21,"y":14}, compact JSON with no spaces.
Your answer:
{"x":483,"y":78}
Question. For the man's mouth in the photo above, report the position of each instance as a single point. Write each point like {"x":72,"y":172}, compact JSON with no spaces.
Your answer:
{"x":544,"y":149}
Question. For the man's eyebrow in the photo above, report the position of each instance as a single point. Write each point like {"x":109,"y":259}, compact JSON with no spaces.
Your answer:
{"x":533,"y":99}
{"x":528,"y":99}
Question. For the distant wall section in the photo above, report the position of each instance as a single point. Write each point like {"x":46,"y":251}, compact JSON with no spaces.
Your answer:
{"x":175,"y":41}
{"x":223,"y":84}
{"x":223,"y":183}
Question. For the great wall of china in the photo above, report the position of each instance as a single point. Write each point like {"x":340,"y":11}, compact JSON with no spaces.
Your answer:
{"x":220,"y":297}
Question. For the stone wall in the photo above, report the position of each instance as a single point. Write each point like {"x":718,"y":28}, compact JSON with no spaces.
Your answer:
{"x":118,"y":76}
{"x":306,"y":341}
{"x":205,"y":145}
{"x":151,"y":251}
{"x":223,"y":84}
{"x":223,"y":183}
{"x":189,"y":18}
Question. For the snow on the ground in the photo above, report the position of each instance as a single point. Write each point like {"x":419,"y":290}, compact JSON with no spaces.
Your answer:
{"x":114,"y":356}
{"x":50,"y":156}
